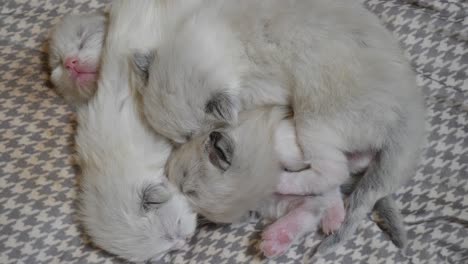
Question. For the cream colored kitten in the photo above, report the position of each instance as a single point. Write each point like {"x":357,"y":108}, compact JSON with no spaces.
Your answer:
{"x":232,"y":171}
{"x":343,"y":74}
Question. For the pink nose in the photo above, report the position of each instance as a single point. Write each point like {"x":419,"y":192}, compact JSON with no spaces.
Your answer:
{"x":71,"y":62}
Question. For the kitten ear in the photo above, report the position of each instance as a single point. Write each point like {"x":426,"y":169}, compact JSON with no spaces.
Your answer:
{"x":223,"y":106}
{"x":140,"y":63}
{"x":220,"y":149}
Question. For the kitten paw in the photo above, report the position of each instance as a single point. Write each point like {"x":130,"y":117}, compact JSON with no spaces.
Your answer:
{"x":275,"y":242}
{"x":278,"y":237}
{"x":333,"y":218}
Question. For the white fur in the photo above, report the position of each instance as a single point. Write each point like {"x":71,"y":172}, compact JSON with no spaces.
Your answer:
{"x":343,"y":74}
{"x":225,"y":195}
{"x":123,"y":161}
{"x":120,"y":158}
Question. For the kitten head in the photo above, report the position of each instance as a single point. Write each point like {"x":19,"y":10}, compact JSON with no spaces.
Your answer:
{"x":189,"y":84}
{"x":134,"y":213}
{"x":226,"y":173}
{"x":128,"y":207}
{"x":74,"y":55}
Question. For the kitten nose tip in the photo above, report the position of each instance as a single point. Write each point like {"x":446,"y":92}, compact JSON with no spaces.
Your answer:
{"x":71,"y":62}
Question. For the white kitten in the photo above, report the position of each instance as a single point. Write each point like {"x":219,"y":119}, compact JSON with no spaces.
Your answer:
{"x":76,"y":42}
{"x":343,"y":74}
{"x":74,"y":55}
{"x":127,"y":205}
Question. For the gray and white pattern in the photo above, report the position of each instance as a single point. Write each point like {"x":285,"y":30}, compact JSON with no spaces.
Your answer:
{"x":38,"y":176}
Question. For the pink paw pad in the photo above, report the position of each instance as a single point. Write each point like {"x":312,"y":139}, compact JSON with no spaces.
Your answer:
{"x":279,"y":236}
{"x":333,"y":218}
{"x":275,"y":243}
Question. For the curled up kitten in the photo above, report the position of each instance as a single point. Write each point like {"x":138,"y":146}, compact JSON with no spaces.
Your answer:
{"x":343,"y":74}
{"x":127,"y":205}
{"x":234,"y":170}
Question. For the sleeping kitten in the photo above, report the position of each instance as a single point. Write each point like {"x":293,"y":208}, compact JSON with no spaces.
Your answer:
{"x":74,"y":55}
{"x":127,"y":205}
{"x":343,"y":74}
{"x":232,"y":171}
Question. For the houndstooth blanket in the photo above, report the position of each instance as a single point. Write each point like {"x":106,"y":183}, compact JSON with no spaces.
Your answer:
{"x":38,"y":177}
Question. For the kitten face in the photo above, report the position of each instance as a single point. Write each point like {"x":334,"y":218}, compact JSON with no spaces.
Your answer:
{"x":134,"y":213}
{"x":128,"y":207}
{"x":226,"y":173}
{"x":74,"y":55}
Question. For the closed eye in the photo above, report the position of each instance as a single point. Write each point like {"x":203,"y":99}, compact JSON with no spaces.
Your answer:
{"x":148,"y":205}
{"x":153,"y":196}
{"x":153,"y":202}
{"x":84,"y":40}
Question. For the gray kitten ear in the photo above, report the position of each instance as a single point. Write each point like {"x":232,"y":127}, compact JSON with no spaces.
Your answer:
{"x":223,"y":106}
{"x":220,"y":148}
{"x":140,"y":64}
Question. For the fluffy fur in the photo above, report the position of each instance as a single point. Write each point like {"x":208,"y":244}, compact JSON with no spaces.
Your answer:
{"x":127,"y":205}
{"x":350,"y":88}
{"x":74,"y":55}
{"x":232,"y":171}
{"x":229,"y":172}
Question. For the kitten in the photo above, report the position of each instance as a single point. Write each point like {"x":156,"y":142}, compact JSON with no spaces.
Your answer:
{"x":127,"y":205}
{"x":74,"y":55}
{"x":343,"y":74}
{"x":232,"y":171}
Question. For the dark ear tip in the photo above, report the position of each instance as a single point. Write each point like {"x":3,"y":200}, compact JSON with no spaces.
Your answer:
{"x":215,"y":136}
{"x":223,"y":106}
{"x":142,"y":61}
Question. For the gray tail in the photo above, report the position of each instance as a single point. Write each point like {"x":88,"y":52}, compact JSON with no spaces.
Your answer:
{"x":391,"y":221}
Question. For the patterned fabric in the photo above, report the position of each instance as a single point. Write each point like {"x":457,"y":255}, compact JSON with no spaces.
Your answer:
{"x":38,"y":177}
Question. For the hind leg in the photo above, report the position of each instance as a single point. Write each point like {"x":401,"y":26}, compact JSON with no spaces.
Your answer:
{"x":280,"y":235}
